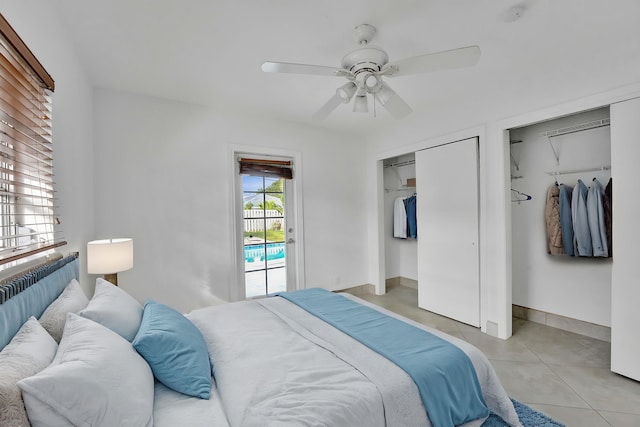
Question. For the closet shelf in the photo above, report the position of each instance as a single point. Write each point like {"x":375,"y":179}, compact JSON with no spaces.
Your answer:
{"x":573,"y":129}
{"x":577,"y":128}
{"x":404,"y":188}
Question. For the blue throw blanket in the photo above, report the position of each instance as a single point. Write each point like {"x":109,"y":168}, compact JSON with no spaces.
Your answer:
{"x":445,"y":376}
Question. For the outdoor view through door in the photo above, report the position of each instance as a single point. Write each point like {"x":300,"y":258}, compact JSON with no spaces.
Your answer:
{"x":264,"y":235}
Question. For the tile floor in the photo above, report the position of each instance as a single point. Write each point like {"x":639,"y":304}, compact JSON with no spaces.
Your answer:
{"x":559,"y":373}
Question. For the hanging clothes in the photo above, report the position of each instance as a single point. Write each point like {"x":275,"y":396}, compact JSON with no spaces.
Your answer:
{"x":566,"y":223}
{"x":595,"y":215}
{"x":582,"y":234}
{"x":608,"y":212}
{"x":552,"y":221}
{"x":412,"y":226}
{"x":399,"y":219}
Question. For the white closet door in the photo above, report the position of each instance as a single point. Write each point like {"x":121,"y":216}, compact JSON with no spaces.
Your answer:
{"x":447,"y":220}
{"x":625,"y":290}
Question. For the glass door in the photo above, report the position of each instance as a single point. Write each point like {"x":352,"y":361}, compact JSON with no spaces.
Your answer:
{"x":265,"y":253}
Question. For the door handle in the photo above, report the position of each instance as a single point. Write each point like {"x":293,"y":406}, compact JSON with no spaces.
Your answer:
{"x":291,"y":240}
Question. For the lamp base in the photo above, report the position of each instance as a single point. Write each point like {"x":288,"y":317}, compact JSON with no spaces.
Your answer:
{"x":113,"y":278}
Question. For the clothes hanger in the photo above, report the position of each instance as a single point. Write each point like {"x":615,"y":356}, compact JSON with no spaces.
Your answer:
{"x":519,"y":196}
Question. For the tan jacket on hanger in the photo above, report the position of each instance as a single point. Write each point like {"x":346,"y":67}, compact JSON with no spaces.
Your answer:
{"x":552,"y":221}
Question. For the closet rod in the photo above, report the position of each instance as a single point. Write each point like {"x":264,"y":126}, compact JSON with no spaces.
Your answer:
{"x":405,"y":163}
{"x":577,"y":128}
{"x":568,"y":172}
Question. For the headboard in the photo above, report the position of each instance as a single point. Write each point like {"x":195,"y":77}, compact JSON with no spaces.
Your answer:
{"x":30,"y":294}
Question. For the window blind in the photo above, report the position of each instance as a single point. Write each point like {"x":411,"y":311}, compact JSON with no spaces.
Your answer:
{"x":266,"y":167}
{"x":27,"y":198}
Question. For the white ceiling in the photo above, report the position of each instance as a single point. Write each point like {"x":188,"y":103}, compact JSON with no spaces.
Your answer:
{"x":209,"y":52}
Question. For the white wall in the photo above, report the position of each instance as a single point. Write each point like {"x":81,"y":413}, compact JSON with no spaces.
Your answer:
{"x":36,"y":23}
{"x":574,"y":287}
{"x":162,"y":177}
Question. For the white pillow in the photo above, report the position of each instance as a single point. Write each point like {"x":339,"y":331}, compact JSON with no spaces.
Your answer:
{"x":30,"y":351}
{"x":71,"y":300}
{"x":96,"y":379}
{"x":114,"y":308}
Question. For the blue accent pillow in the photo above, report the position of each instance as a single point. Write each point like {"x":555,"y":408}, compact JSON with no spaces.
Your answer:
{"x":175,"y":350}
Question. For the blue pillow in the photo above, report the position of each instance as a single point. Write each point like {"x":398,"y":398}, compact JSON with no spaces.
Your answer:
{"x":175,"y":350}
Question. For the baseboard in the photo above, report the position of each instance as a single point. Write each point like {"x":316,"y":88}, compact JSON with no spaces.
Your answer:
{"x":556,"y":321}
{"x":367,"y":289}
{"x":565,"y":323}
{"x":402,"y":281}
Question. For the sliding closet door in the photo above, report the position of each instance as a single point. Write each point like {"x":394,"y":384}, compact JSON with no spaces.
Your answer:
{"x":625,"y":290}
{"x":447,"y":212}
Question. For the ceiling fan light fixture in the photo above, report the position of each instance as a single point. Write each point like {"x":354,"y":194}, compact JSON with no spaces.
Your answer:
{"x":346,"y":91}
{"x":384,"y":94}
{"x":390,"y":100}
{"x":372,"y":83}
{"x":360,"y":104}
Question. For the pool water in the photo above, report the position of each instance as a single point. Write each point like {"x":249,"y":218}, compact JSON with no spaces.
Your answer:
{"x":253,"y":253}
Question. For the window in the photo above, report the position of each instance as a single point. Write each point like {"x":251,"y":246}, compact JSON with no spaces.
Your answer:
{"x":27,"y":221}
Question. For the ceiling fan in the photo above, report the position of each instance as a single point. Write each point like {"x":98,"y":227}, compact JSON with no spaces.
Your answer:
{"x":365,"y":67}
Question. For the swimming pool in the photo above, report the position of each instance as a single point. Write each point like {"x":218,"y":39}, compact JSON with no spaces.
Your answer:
{"x":253,"y":253}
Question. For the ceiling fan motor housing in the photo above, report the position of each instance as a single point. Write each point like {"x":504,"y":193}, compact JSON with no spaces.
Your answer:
{"x":370,"y":57}
{"x":364,"y":63}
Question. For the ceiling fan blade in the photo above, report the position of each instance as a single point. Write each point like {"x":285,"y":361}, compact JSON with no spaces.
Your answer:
{"x":285,"y":67}
{"x":327,"y":108}
{"x":447,"y":59}
{"x":390,"y":100}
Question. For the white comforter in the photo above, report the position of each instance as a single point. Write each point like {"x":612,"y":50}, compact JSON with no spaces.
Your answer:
{"x":172,"y":409}
{"x":277,"y":365}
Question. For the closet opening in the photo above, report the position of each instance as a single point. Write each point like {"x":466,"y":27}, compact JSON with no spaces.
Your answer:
{"x":561,"y":222}
{"x":401,"y":248}
{"x":431,"y":231}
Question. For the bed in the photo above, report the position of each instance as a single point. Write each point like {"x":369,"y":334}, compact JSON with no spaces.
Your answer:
{"x":311,"y":357}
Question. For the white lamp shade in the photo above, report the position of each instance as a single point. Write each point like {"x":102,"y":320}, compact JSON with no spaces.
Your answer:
{"x":360,"y":104}
{"x":385,"y":94}
{"x":346,"y":91}
{"x":109,"y":256}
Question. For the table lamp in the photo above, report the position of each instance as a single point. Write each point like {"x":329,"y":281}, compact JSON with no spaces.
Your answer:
{"x":109,"y":257}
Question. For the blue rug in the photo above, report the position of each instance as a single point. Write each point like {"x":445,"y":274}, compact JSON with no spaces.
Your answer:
{"x":529,"y":417}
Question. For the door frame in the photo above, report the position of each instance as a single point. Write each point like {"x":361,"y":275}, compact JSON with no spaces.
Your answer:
{"x":294,"y":216}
